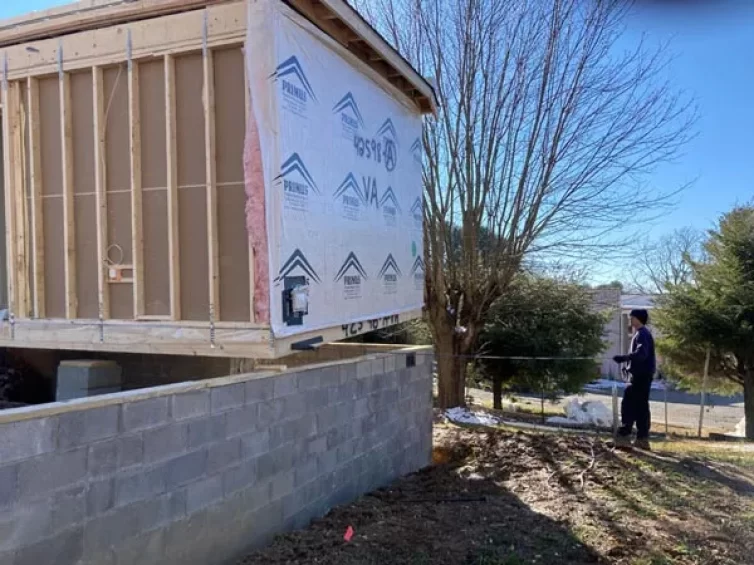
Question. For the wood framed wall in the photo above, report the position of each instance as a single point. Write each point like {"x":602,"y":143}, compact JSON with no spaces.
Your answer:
{"x":123,"y":176}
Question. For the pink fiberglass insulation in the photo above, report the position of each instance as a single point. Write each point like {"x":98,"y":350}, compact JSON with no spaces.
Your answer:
{"x":256,"y":225}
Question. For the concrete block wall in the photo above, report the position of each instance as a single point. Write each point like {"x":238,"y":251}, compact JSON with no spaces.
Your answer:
{"x":199,"y":473}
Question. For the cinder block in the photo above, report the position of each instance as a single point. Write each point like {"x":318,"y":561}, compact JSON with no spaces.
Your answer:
{"x":69,"y":509}
{"x":204,"y":493}
{"x":86,"y":426}
{"x":347,"y":373}
{"x":282,"y":484}
{"x":295,"y":405}
{"x":206,"y":430}
{"x":100,"y":497}
{"x":22,"y":440}
{"x":165,"y":442}
{"x":271,"y":412}
{"x":144,"y":414}
{"x":130,"y":451}
{"x":240,"y":477}
{"x":186,"y":468}
{"x":327,"y":462}
{"x":328,"y":418}
{"x":364,"y":369}
{"x":315,"y":445}
{"x":305,"y":472}
{"x":259,"y":390}
{"x":8,"y":485}
{"x":65,"y":548}
{"x":255,"y":444}
{"x":242,"y":420}
{"x":103,"y":458}
{"x":224,"y":398}
{"x":329,"y":377}
{"x":285,"y":385}
{"x":317,"y":399}
{"x":275,"y":461}
{"x":110,"y":530}
{"x":190,"y":405}
{"x":223,"y":455}
{"x":309,"y":380}
{"x":28,"y":524}
{"x":145,"y":549}
{"x":140,"y":486}
{"x":51,"y":472}
{"x":80,"y":379}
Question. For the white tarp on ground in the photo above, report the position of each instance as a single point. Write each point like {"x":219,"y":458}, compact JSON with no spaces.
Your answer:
{"x":343,"y":186}
{"x":607,"y":384}
{"x":740,"y":430}
{"x":464,"y":416}
{"x":589,"y":413}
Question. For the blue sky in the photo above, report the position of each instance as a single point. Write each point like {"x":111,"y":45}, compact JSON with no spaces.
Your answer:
{"x":712,"y":63}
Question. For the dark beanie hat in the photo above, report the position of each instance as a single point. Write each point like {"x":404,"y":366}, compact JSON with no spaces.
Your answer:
{"x":641,"y":315}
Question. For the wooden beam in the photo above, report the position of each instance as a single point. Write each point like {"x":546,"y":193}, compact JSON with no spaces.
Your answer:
{"x":211,"y":160}
{"x":137,"y":232}
{"x":69,"y":220}
{"x":35,"y":180}
{"x":100,"y":183}
{"x":171,"y":145}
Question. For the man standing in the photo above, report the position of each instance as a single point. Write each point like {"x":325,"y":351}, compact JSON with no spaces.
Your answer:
{"x":641,"y":365}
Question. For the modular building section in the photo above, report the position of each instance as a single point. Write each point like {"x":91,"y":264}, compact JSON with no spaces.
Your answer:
{"x":212,"y":178}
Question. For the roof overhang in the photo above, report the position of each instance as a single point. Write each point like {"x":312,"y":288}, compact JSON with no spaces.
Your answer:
{"x":334,"y":17}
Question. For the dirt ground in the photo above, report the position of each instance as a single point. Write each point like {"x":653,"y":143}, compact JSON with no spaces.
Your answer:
{"x":500,"y":497}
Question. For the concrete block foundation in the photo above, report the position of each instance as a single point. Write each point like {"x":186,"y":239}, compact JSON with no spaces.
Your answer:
{"x":202,"y":472}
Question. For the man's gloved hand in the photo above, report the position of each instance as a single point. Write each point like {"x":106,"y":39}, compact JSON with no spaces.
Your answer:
{"x":620,"y":358}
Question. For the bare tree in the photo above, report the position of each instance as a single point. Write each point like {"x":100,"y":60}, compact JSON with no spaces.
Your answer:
{"x":544,"y":132}
{"x":666,"y":261}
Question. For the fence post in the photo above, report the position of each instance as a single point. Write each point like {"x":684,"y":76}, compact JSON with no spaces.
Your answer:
{"x":615,"y":410}
{"x":704,"y":392}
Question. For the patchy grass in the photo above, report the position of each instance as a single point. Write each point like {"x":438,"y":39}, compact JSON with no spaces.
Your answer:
{"x":499,"y":497}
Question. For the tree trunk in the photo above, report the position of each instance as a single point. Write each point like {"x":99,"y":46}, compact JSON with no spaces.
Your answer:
{"x":451,"y":361}
{"x":497,"y":392}
{"x":749,"y":403}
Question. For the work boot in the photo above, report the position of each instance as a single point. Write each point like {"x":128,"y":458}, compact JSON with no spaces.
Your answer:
{"x":642,"y":444}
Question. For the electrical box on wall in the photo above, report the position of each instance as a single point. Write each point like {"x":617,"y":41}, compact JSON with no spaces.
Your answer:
{"x":295,"y":300}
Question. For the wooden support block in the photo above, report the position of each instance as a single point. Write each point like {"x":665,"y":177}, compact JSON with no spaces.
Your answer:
{"x":69,"y":220}
{"x":210,"y":154}
{"x":35,"y":180}
{"x":137,"y":232}
{"x":100,"y":176}
{"x":171,"y":145}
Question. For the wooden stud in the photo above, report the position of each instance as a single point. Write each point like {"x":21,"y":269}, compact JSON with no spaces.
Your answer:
{"x":210,"y":155}
{"x":69,"y":225}
{"x":171,"y":146}
{"x":100,"y":183}
{"x":10,"y":234}
{"x":35,"y":179}
{"x":21,"y":267}
{"x":137,"y":233}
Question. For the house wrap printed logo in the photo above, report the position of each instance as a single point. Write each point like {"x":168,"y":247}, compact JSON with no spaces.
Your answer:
{"x":350,"y":116}
{"x":353,"y":275}
{"x":390,"y":207}
{"x":350,"y":198}
{"x":390,"y":273}
{"x":417,"y":272}
{"x":297,"y":265}
{"x":389,"y":136}
{"x":417,"y":151}
{"x":417,"y":213}
{"x":298,"y":184}
{"x":296,"y":89}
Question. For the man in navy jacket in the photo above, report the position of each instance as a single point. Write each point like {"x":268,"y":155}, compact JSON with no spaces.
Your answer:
{"x":642,"y":366}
